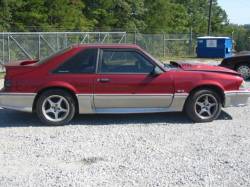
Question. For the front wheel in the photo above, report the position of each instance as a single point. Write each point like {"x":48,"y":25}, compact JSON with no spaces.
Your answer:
{"x":244,"y":70}
{"x":203,"y":106}
{"x":55,"y":107}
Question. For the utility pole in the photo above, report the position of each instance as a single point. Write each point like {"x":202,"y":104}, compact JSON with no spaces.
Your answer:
{"x":209,"y":18}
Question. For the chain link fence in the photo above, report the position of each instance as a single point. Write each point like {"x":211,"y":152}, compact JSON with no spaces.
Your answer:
{"x":38,"y":45}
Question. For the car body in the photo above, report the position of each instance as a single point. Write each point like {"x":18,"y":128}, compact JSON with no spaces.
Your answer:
{"x":121,"y":78}
{"x":239,"y":63}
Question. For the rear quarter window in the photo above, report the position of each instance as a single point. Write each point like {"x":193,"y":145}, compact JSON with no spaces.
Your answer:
{"x":82,"y":62}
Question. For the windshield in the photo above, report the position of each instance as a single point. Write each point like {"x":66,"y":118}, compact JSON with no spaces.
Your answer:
{"x":46,"y":59}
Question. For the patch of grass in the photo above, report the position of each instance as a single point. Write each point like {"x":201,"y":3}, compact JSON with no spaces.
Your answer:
{"x":2,"y":74}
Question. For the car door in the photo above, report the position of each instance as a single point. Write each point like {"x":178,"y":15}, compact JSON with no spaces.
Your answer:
{"x":123,"y":80}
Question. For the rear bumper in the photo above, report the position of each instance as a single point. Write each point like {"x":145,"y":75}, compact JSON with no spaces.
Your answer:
{"x":236,"y":98}
{"x":17,"y":101}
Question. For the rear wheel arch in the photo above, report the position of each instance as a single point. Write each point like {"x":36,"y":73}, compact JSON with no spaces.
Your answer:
{"x":71,"y":92}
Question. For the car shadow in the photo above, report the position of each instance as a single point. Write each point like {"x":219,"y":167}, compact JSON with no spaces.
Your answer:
{"x":9,"y":118}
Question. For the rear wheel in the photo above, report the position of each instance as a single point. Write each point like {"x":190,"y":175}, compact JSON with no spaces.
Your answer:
{"x":55,"y":107}
{"x":203,"y":106}
{"x":244,"y":70}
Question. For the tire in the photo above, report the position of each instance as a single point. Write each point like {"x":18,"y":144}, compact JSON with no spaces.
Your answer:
{"x":244,"y":70}
{"x":197,"y":108}
{"x":55,"y":107}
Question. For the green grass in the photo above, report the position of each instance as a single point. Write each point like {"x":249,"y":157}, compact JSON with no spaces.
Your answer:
{"x":2,"y":74}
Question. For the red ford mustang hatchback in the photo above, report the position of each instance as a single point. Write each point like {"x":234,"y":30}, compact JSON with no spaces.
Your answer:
{"x":89,"y":79}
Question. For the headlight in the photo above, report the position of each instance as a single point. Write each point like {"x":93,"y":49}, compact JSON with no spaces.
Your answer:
{"x":243,"y":85}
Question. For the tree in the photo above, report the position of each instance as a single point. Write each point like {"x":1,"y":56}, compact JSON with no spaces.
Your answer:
{"x":66,"y":15}
{"x":5,"y":16}
{"x":99,"y":14}
{"x":164,"y":16}
{"x":198,"y":15}
{"x":151,"y":16}
{"x":115,"y":14}
{"x":43,"y":15}
{"x":130,"y":14}
{"x":27,"y":15}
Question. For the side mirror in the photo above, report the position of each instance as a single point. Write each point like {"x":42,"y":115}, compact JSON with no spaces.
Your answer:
{"x":156,"y":71}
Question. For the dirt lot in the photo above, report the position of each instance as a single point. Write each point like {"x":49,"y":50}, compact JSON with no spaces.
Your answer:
{"x":126,"y":150}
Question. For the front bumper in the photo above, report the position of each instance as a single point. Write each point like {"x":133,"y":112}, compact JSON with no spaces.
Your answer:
{"x":17,"y":101}
{"x":236,"y":98}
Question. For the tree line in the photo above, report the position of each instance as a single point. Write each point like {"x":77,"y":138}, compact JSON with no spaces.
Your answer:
{"x":148,"y":16}
{"x":144,"y":16}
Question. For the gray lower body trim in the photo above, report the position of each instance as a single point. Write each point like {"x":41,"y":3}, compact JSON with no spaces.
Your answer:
{"x":132,"y":100}
{"x":141,"y":103}
{"x":179,"y":102}
{"x":131,"y":110}
{"x":236,"y":98}
{"x":86,"y":103}
{"x":17,"y":101}
{"x":130,"y":103}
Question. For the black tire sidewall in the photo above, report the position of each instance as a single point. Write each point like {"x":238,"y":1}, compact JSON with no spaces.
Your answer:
{"x":190,"y":106}
{"x":62,"y":93}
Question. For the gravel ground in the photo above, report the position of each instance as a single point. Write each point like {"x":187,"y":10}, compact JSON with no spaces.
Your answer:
{"x":126,"y":150}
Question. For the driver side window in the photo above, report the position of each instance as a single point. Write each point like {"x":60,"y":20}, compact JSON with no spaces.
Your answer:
{"x":124,"y":62}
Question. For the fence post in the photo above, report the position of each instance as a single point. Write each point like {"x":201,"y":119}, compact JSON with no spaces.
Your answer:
{"x":65,"y":40}
{"x":190,"y":41}
{"x":39,"y":46}
{"x":164,"y":45}
{"x":8,"y":43}
{"x":3,"y":48}
{"x":135,"y":37}
{"x":57,"y":41}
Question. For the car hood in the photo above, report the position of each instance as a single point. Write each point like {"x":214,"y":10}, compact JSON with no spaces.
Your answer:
{"x":203,"y":68}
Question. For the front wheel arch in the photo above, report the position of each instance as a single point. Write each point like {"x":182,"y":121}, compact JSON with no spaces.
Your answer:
{"x":214,"y":88}
{"x":56,"y":88}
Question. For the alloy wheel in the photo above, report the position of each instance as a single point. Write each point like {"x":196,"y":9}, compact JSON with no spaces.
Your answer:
{"x":55,"y":108}
{"x":206,"y":106}
{"x":244,"y":70}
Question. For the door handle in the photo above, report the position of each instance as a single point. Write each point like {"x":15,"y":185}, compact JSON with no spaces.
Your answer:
{"x":103,"y":80}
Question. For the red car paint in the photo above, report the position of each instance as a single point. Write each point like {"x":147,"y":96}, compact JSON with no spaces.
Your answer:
{"x":31,"y":77}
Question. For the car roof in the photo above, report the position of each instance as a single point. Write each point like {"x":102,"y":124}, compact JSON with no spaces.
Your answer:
{"x":119,"y":46}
